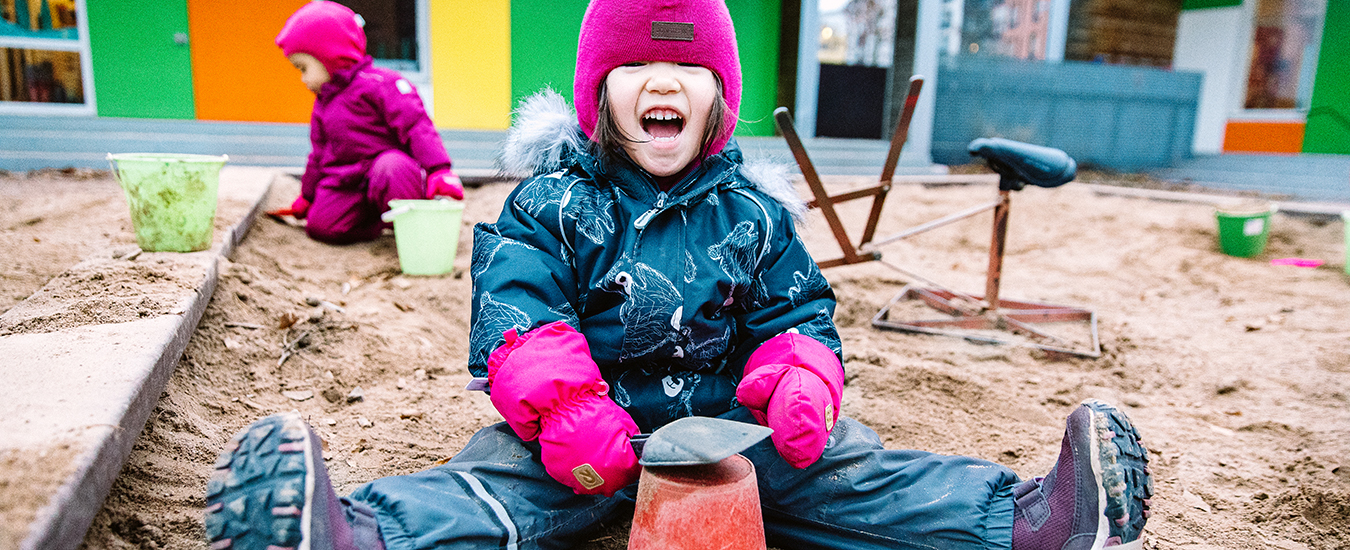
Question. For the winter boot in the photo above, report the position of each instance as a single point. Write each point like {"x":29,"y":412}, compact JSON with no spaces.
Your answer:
{"x":270,"y":490}
{"x":1098,"y":493}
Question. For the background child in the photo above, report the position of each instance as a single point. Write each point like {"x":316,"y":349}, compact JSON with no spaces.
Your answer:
{"x":667,"y":280}
{"x":371,"y":137}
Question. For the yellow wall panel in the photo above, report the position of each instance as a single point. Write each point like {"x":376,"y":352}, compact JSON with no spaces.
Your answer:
{"x":238,"y":72}
{"x":471,"y":63}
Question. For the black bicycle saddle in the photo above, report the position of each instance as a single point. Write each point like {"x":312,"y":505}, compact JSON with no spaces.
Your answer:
{"x":1022,"y":163}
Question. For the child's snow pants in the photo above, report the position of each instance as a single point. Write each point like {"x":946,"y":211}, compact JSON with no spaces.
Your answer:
{"x":342,"y":214}
{"x":496,"y":494}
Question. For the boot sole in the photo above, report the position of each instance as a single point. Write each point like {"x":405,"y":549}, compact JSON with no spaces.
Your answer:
{"x":1120,"y":464}
{"x":261,"y":493}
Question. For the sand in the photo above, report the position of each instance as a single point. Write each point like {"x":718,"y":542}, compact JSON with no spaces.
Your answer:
{"x":1236,"y":371}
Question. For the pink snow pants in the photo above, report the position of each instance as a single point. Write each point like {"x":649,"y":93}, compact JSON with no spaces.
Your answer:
{"x":343,"y":215}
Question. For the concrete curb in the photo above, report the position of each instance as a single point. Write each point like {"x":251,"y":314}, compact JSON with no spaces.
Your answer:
{"x":1318,"y":209}
{"x":79,"y":397}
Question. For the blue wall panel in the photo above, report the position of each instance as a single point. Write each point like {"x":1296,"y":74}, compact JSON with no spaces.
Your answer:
{"x":1105,"y":116}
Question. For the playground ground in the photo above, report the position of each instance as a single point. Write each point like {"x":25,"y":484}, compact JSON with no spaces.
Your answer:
{"x":1236,"y":371}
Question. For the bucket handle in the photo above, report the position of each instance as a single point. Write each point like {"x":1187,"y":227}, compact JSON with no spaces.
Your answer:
{"x":388,"y":217}
{"x":112,"y":165}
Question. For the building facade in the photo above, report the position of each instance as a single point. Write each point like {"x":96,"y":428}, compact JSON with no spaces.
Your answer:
{"x":212,"y":60}
{"x":1276,"y":77}
{"x":1274,"y":70}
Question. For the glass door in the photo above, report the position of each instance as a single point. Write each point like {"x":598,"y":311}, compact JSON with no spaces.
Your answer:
{"x":44,"y":57}
{"x":857,"y":47}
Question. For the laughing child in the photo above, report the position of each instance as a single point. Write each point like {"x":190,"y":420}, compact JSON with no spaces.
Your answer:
{"x":667,"y":280}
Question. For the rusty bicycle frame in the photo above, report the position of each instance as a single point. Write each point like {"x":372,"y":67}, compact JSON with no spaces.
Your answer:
{"x":965,"y":311}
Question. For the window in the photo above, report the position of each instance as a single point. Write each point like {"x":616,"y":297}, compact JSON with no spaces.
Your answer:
{"x":42,"y":53}
{"x":857,"y":32}
{"x":1008,"y":28}
{"x":1138,"y":32}
{"x":1284,"y":53}
{"x":395,"y":35}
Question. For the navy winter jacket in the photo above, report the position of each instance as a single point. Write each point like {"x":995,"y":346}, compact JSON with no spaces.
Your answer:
{"x":673,"y":290}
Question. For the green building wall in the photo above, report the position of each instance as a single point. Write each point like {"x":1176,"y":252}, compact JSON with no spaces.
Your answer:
{"x":544,"y":52}
{"x":757,"y":28}
{"x":1328,"y":129}
{"x":140,"y":71}
{"x":544,"y":46}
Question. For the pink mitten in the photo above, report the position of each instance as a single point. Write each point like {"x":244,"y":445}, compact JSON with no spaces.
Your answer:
{"x":547,"y":387}
{"x":793,"y":384}
{"x":444,"y":183}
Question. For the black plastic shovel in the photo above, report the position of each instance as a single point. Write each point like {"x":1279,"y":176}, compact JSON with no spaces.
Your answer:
{"x":696,"y":440}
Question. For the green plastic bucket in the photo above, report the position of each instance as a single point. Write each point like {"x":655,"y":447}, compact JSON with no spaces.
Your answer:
{"x":426,"y":233}
{"x":172,"y":198}
{"x":1244,"y":228}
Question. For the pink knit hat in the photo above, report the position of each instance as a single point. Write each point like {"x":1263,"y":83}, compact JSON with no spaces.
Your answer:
{"x":329,"y":31}
{"x":617,"y":32}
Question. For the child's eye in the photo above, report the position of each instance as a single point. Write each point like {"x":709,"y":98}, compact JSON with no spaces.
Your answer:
{"x":635,"y":64}
{"x":690,"y":65}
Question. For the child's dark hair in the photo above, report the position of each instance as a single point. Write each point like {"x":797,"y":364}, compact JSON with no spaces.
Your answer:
{"x":611,"y":138}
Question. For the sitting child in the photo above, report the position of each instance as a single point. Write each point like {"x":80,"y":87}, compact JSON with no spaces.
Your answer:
{"x":665,"y":279}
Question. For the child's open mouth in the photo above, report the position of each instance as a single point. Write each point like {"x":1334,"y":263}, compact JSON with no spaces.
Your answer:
{"x":662,"y":124}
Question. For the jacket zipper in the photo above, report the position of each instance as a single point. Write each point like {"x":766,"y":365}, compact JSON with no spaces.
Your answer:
{"x":641,"y":222}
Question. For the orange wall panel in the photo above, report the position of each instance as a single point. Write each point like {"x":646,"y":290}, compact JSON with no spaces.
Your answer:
{"x":1263,"y":137}
{"x":238,"y":72}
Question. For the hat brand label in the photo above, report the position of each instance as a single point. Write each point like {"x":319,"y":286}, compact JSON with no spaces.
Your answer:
{"x":669,"y":30}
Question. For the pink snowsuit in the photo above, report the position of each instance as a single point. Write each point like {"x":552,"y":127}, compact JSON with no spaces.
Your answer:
{"x":372,"y":143}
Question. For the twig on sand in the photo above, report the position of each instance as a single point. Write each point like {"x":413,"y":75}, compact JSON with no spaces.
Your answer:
{"x":358,"y":280}
{"x":290,"y":348}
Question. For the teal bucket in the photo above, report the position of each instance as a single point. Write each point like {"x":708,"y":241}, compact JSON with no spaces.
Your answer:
{"x":172,"y":198}
{"x":426,"y":233}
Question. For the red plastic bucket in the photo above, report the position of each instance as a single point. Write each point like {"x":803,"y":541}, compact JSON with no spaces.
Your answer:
{"x":698,"y":507}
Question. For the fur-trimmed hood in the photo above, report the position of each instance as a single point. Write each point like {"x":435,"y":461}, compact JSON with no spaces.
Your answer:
{"x":546,"y":136}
